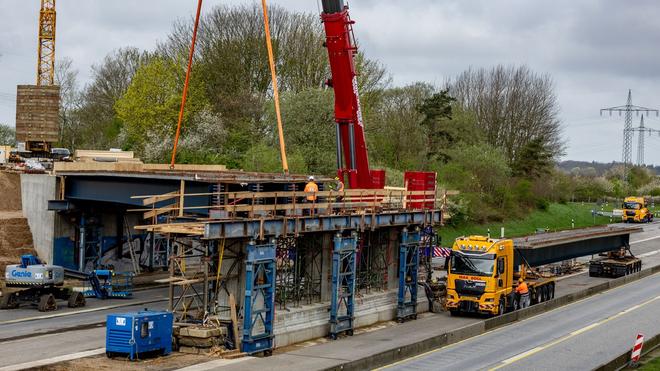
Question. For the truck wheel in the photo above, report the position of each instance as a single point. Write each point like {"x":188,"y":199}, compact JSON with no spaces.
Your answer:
{"x":47,"y":303}
{"x":501,"y":308}
{"x":516,"y":302}
{"x":77,"y":299}
{"x":8,"y":301}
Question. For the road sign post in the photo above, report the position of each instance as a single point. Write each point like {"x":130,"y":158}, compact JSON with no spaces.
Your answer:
{"x":637,"y":350}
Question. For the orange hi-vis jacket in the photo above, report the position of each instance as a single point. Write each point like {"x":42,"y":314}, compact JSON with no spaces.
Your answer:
{"x":522,"y":288}
{"x":311,"y":187}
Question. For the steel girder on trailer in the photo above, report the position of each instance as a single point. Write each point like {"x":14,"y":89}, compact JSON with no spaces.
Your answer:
{"x":546,"y":248}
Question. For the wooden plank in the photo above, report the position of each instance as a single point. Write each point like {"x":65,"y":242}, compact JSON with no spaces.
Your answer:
{"x":184,"y":167}
{"x":108,"y":154}
{"x":162,"y":210}
{"x":97,"y":166}
{"x":182,"y":192}
{"x":234,"y":321}
{"x":163,"y":197}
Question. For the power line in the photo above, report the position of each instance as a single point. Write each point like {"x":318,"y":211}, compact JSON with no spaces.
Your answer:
{"x":628,"y":109}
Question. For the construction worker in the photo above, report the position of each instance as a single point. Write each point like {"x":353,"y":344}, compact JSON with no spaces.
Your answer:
{"x":311,"y":188}
{"x":523,"y":291}
{"x":338,"y":187}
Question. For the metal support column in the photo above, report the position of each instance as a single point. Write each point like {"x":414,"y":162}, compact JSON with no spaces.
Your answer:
{"x":408,"y":272}
{"x":342,"y":305}
{"x":259,"y":304}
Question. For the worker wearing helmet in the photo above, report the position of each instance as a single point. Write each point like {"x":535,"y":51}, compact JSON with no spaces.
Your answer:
{"x":338,"y":187}
{"x":311,"y":189}
{"x":523,"y":291}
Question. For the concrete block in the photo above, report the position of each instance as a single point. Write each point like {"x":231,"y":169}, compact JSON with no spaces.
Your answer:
{"x":202,"y":332}
{"x":201,"y":342}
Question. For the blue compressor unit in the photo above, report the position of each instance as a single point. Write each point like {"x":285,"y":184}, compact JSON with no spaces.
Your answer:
{"x":139,"y":334}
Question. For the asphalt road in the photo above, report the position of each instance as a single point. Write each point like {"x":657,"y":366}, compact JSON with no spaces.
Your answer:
{"x":579,"y":336}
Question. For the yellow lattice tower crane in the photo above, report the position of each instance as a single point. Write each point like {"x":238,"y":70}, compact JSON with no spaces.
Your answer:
{"x":46,"y":62}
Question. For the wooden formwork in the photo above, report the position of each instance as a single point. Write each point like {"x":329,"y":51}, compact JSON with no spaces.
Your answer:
{"x":37,"y":111}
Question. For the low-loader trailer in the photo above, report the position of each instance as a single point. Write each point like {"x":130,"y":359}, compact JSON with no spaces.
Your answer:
{"x":483,"y":272}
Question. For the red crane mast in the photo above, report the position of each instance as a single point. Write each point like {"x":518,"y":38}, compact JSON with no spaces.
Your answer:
{"x":351,"y":143}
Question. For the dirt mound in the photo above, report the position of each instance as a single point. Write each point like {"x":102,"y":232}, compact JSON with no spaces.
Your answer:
{"x":10,"y":188}
{"x":15,"y":239}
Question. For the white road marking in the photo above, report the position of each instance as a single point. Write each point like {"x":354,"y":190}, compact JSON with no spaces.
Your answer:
{"x":530,"y":352}
{"x":644,"y":240}
{"x":50,"y":361}
{"x":55,"y":315}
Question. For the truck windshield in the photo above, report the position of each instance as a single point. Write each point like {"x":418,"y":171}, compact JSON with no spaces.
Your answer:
{"x":631,"y":205}
{"x":476,"y":265}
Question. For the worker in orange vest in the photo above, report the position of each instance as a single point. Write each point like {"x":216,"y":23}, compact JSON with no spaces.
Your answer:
{"x":523,"y":291}
{"x":339,"y":187}
{"x":312,"y":188}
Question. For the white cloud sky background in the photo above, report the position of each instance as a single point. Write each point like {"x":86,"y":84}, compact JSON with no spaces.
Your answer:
{"x":595,"y":50}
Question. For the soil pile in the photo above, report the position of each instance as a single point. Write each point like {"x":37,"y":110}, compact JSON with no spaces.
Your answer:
{"x":10,"y":190}
{"x":15,"y":238}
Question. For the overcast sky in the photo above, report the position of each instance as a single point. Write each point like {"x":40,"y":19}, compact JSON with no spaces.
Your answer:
{"x":594,"y":49}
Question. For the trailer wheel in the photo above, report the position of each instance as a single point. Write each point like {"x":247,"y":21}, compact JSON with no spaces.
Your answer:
{"x":47,"y":303}
{"x":8,"y":301}
{"x":77,"y":299}
{"x":551,"y":291}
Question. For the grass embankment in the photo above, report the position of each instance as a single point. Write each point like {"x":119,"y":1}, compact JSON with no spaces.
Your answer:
{"x":556,"y":217}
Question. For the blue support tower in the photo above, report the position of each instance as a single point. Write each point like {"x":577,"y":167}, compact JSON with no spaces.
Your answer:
{"x":259,"y":305}
{"x":408,"y":271}
{"x":342,"y":306}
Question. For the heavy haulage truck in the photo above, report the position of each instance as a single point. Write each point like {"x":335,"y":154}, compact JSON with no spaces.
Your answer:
{"x":483,"y":272}
{"x":635,"y":210}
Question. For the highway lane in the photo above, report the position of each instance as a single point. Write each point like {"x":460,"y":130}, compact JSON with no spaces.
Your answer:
{"x":578,"y":336}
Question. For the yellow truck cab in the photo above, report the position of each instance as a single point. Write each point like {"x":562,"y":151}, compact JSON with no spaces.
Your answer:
{"x":481,"y":277}
{"x":635,"y":210}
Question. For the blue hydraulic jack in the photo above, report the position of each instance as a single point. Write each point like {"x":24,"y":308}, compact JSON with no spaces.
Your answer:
{"x":342,"y":305}
{"x":259,"y":304}
{"x":408,"y":271}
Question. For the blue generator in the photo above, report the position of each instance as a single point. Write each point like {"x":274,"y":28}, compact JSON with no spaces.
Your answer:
{"x":138,"y":334}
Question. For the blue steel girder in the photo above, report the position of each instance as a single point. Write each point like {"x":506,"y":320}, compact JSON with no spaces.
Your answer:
{"x":259,"y":302}
{"x":258,"y":228}
{"x":119,"y":190}
{"x":342,"y":301}
{"x":408,"y":273}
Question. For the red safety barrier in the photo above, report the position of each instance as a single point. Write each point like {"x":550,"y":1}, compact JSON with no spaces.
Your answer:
{"x":637,"y":349}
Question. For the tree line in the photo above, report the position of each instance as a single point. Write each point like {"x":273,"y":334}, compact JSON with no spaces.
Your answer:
{"x":493,"y":133}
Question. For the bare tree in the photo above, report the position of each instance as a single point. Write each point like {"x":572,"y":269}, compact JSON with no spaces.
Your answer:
{"x":67,"y":78}
{"x":513,"y":105}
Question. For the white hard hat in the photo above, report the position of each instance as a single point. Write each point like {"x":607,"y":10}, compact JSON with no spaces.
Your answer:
{"x":311,"y":177}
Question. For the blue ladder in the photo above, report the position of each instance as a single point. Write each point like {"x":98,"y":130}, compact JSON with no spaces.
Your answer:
{"x":408,"y":271}
{"x":259,"y":304}
{"x":342,"y":306}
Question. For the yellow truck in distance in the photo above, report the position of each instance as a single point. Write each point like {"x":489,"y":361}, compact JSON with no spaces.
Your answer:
{"x":635,"y":210}
{"x":482,"y":277}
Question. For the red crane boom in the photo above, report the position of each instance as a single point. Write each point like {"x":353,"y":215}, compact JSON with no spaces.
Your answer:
{"x":351,"y":143}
